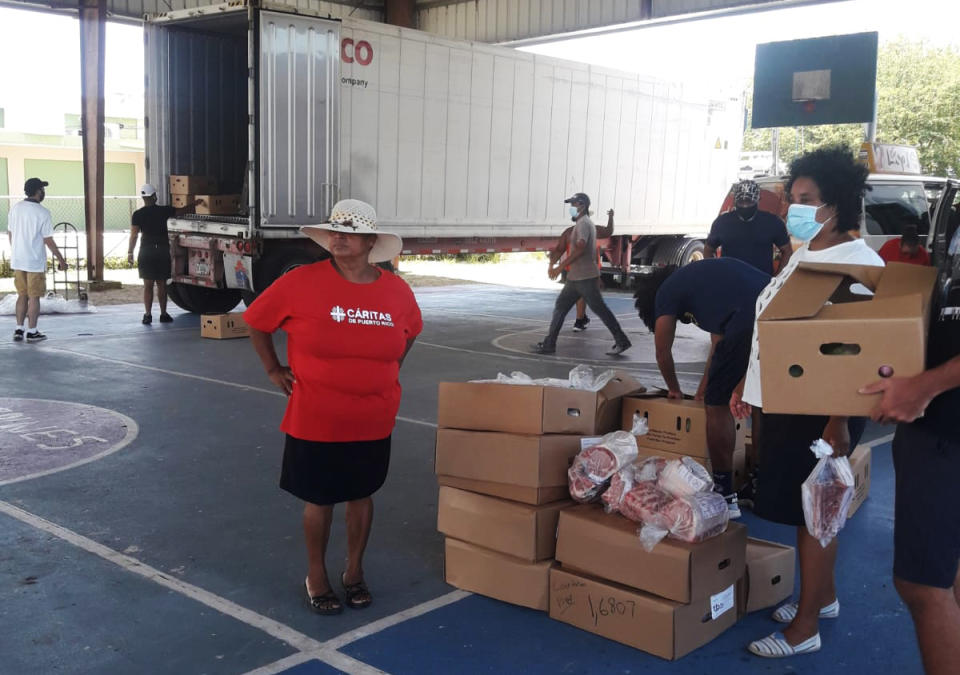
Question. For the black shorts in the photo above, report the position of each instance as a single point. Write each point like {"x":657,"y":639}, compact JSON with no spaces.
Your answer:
{"x":786,"y":461}
{"x":727,"y":368}
{"x":153,"y":261}
{"x":330,"y":473}
{"x":926,"y":531}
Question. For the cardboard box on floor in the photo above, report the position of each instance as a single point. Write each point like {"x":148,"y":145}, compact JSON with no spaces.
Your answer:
{"x":495,"y":575}
{"x":678,"y":426}
{"x":223,"y":326}
{"x":513,"y":459}
{"x":218,"y":205}
{"x":523,"y":409}
{"x":860,"y":462}
{"x":606,"y":546}
{"x":191,"y":185}
{"x":815,"y":355}
{"x":770,"y":574}
{"x":523,"y":531}
{"x":660,"y":627}
{"x":516,"y":493}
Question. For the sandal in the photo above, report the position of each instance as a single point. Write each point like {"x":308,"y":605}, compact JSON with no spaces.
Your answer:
{"x":327,"y":604}
{"x":357,"y":595}
{"x":775,"y":646}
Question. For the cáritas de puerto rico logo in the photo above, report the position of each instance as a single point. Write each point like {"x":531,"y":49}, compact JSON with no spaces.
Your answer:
{"x":361,"y":317}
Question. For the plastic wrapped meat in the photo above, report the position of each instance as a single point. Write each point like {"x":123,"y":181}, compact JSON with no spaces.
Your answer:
{"x":621,"y":483}
{"x":827,"y":494}
{"x":685,"y":477}
{"x":646,"y":503}
{"x":650,"y":468}
{"x":597,"y":464}
{"x":697,"y":517}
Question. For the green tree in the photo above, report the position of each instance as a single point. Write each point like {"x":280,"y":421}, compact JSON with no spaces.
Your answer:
{"x":918,"y":103}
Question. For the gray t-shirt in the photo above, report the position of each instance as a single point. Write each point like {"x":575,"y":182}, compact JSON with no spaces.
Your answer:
{"x":584,"y":267}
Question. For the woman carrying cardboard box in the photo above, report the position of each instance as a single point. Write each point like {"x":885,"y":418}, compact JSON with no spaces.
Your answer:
{"x":349,"y":327}
{"x":826,"y":188}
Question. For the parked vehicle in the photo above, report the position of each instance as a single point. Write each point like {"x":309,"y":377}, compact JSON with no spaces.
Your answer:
{"x":460,"y":146}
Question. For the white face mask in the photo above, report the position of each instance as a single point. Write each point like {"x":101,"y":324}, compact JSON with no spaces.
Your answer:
{"x":574,"y":211}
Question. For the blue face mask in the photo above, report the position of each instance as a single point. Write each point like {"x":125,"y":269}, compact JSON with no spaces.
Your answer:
{"x":802,"y":221}
{"x":574,"y":211}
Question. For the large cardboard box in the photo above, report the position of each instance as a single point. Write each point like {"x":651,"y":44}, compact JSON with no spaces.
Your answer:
{"x":860,"y":462}
{"x":181,"y":201}
{"x":480,"y":570}
{"x":770,"y":573}
{"x":516,"y":493}
{"x":522,"y":409}
{"x":191,"y":185}
{"x":530,"y":461}
{"x":661,"y":627}
{"x":523,"y":531}
{"x":607,"y":546}
{"x":218,"y":205}
{"x":223,"y":326}
{"x":816,"y":355}
{"x":678,"y":426}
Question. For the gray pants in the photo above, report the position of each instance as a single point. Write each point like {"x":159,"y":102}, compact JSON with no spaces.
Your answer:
{"x":589,"y":290}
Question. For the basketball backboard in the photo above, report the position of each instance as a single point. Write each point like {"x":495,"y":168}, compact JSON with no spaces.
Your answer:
{"x":826,"y":80}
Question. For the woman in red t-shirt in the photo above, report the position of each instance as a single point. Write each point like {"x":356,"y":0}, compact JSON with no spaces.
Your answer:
{"x":349,"y":326}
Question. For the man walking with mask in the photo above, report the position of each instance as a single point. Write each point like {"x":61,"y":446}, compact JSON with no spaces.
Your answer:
{"x":581,"y":281}
{"x":747,"y":233}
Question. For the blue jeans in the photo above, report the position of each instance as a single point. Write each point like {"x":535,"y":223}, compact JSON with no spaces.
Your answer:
{"x":589,"y":290}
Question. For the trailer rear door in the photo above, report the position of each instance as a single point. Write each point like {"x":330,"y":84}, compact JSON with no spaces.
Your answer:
{"x":299,"y":125}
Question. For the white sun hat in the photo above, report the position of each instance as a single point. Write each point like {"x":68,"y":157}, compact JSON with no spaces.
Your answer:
{"x":356,"y":217}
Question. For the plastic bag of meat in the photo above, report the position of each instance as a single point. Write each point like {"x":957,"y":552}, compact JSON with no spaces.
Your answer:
{"x":827,"y":493}
{"x":645,"y":502}
{"x":691,"y":519}
{"x":684,"y":477}
{"x":650,"y":468}
{"x":591,"y":471}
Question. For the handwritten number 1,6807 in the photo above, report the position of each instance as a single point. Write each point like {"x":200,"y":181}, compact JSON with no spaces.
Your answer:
{"x":610,"y":606}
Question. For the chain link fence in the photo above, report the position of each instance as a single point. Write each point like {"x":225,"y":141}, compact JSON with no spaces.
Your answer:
{"x":116,"y":211}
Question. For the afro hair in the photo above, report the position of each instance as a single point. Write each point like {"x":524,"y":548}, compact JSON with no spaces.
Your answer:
{"x":645,"y":297}
{"x":841,"y":179}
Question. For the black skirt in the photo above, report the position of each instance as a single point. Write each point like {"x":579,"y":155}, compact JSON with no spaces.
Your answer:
{"x":330,"y":473}
{"x":153,"y":261}
{"x":786,"y":461}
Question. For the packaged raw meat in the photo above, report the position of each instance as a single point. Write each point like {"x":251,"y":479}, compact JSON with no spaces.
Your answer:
{"x":692,"y":519}
{"x":827,"y":493}
{"x":650,"y":468}
{"x":684,"y":477}
{"x":592,"y":468}
{"x":645,"y":502}
{"x":620,"y":484}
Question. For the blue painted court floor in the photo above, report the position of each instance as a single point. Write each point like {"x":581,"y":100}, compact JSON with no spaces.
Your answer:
{"x":167,"y":547}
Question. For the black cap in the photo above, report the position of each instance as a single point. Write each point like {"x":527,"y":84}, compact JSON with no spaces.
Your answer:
{"x":34,"y":184}
{"x":578,"y":198}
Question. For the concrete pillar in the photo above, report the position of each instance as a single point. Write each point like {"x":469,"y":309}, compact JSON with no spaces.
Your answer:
{"x":401,"y":13}
{"x":93,"y":17}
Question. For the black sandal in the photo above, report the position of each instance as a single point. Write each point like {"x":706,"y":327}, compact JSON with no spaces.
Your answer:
{"x":357,"y":595}
{"x":327,"y":604}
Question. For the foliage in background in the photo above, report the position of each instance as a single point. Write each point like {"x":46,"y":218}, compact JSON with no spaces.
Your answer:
{"x":918,"y":103}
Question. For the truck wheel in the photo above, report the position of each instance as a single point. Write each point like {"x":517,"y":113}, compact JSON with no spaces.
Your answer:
{"x":277,"y":263}
{"x":692,"y":253}
{"x":203,"y":300}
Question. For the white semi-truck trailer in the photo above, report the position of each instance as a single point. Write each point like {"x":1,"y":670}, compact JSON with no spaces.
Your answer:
{"x":460,"y":146}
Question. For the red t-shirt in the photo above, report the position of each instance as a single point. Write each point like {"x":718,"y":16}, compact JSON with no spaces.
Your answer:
{"x":890,"y":252}
{"x":344,"y":343}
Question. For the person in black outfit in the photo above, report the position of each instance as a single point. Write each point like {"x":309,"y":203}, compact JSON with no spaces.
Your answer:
{"x":747,"y":233}
{"x":718,"y":296}
{"x":926,"y":458}
{"x":153,"y":262}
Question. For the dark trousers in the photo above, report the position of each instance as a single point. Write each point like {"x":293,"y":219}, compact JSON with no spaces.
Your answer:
{"x":589,"y":290}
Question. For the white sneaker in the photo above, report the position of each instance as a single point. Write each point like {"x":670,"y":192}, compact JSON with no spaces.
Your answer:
{"x":733,"y":506}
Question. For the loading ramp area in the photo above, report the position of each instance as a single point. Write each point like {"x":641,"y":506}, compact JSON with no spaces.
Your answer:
{"x":162,"y":544}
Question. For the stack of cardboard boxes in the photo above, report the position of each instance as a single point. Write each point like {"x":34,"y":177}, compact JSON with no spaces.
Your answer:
{"x":185,"y":190}
{"x":501,"y":459}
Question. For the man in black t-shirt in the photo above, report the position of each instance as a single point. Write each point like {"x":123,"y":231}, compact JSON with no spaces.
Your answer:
{"x":153,"y":262}
{"x":720,"y":297}
{"x":926,"y":458}
{"x":747,"y":233}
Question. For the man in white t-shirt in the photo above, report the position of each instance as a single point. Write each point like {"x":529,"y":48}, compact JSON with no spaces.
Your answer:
{"x":30,"y":228}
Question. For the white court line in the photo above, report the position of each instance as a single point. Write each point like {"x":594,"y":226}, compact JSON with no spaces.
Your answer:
{"x":212,"y":380}
{"x":269,"y":626}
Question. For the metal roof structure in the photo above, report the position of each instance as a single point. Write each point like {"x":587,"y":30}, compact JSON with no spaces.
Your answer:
{"x":481,"y":20}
